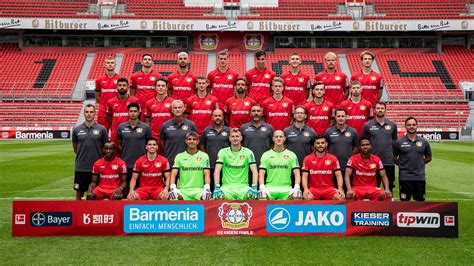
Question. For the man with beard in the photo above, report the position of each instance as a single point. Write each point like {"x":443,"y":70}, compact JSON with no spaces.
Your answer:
{"x":117,"y":107}
{"x":319,"y":110}
{"x":335,"y":82}
{"x":158,"y":109}
{"x":412,"y":153}
{"x":237,"y":107}
{"x":382,"y":134}
{"x":299,"y":136}
{"x":318,"y":169}
{"x":257,"y":135}
{"x":297,"y":83}
{"x":182,"y":82}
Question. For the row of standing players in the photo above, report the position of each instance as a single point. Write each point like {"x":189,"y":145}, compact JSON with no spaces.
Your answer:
{"x":258,"y":131}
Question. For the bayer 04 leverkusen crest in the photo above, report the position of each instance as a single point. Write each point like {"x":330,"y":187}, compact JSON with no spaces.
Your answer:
{"x":253,"y":41}
{"x":208,"y":41}
{"x":235,"y":215}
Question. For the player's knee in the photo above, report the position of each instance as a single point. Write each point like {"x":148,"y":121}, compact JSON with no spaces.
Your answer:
{"x":91,"y":196}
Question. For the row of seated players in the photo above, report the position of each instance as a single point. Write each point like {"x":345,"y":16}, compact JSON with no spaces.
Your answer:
{"x":225,"y":87}
{"x":236,"y":164}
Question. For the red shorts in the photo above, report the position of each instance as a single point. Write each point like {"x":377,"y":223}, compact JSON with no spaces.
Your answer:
{"x":367,"y":192}
{"x":104,"y":192}
{"x":146,"y":193}
{"x":323,"y":193}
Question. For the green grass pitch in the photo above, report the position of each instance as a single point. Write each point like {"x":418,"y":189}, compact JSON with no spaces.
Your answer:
{"x":44,"y":169}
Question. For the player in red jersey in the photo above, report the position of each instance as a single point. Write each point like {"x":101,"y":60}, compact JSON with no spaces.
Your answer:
{"x":199,"y":107}
{"x":106,"y":89}
{"x":335,"y":81}
{"x":110,"y":173}
{"x":278,"y":110}
{"x":359,"y":110}
{"x":158,"y":109}
{"x":151,"y":168}
{"x":143,"y":82}
{"x":237,"y":108}
{"x":296,"y":82}
{"x":318,"y":170}
{"x":320,"y":111}
{"x":182,"y":83}
{"x":363,"y":167}
{"x":259,"y":79}
{"x":117,"y":107}
{"x":222,"y":79}
{"x":372,"y":82}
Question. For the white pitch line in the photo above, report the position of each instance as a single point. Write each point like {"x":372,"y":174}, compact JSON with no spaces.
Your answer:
{"x":449,"y":192}
{"x":35,"y":190}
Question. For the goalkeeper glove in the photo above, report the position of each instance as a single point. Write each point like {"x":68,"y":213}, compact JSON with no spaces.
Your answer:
{"x":206,"y":192}
{"x":218,"y":194}
{"x":252,"y":193}
{"x":262,"y":193}
{"x":174,"y":192}
{"x":296,"y":193}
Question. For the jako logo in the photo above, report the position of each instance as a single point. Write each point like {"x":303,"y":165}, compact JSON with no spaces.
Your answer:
{"x":176,"y":218}
{"x":306,"y":218}
{"x":418,"y":220}
{"x":51,"y":218}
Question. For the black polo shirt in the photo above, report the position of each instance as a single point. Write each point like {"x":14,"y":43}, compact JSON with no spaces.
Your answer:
{"x":133,"y":141}
{"x":381,"y":137}
{"x":90,"y":141}
{"x":411,"y":158}
{"x":214,"y":141}
{"x":174,"y":135}
{"x":257,"y":139}
{"x":300,"y":141}
{"x":341,"y":143}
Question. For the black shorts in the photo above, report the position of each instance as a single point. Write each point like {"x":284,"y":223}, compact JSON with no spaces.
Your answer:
{"x":390,"y":172}
{"x":82,"y":180}
{"x":417,"y":189}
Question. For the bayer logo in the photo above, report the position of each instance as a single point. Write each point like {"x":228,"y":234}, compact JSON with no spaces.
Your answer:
{"x":38,"y":219}
{"x":279,"y":218}
{"x":235,"y":216}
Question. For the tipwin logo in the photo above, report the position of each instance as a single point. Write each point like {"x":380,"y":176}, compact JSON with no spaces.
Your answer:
{"x":279,"y":218}
{"x":418,"y":220}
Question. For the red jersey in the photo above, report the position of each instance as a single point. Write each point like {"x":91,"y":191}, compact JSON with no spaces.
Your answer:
{"x":118,"y":109}
{"x":357,"y":113}
{"x":222,"y":84}
{"x":278,"y":113}
{"x":320,"y":170}
{"x":371,"y":84}
{"x":238,"y":111}
{"x":182,"y":86}
{"x":200,"y":110}
{"x":110,"y":172}
{"x":144,"y":85}
{"x":151,"y":172}
{"x":107,"y":88}
{"x":319,"y":115}
{"x":158,"y":112}
{"x":334,"y":85}
{"x":296,"y":86}
{"x":260,"y":83}
{"x":364,"y":173}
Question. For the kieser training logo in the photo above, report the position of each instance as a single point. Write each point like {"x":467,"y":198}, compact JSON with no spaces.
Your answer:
{"x":371,"y":219}
{"x":51,"y":218}
{"x":306,"y":218}
{"x":235,"y":215}
{"x":418,"y":220}
{"x":154,"y":218}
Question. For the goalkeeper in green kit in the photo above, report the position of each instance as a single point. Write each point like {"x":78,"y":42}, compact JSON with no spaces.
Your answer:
{"x":278,"y":164}
{"x":235,"y":162}
{"x":194,"y":172}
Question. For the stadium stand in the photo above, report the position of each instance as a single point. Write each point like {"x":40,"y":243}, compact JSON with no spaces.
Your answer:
{"x":236,"y":62}
{"x":407,"y":9}
{"x":46,"y":8}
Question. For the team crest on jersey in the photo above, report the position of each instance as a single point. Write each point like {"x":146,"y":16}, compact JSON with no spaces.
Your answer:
{"x":347,"y":134}
{"x":189,"y":79}
{"x":208,"y":102}
{"x":300,"y":79}
{"x":152,"y":78}
{"x":253,"y":41}
{"x":167,"y":105}
{"x":198,"y":158}
{"x":114,"y":166}
{"x":224,"y":133}
{"x":388,"y":127}
{"x":267,"y":76}
{"x":419,"y":144}
{"x":139,"y":130}
{"x":327,"y":162}
{"x":235,"y":215}
{"x":325,"y":108}
{"x":158,"y":165}
{"x":337,"y":78}
{"x":372,"y":166}
{"x":286,"y":156}
{"x":95,"y":132}
{"x":373,"y":78}
{"x":306,"y":133}
{"x":362,"y":107}
{"x":246,"y":103}
{"x":263,"y":129}
{"x":229,"y":77}
{"x":242,"y":157}
{"x":284,"y":104}
{"x":185,"y":127}
{"x":208,"y":41}
{"x":115,"y":81}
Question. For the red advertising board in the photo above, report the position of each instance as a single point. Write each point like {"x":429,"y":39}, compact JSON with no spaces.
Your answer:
{"x":227,"y":218}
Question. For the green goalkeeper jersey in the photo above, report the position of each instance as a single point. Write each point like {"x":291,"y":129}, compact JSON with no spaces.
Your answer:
{"x":279,"y":166}
{"x":191,"y":169}
{"x":235,"y":165}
